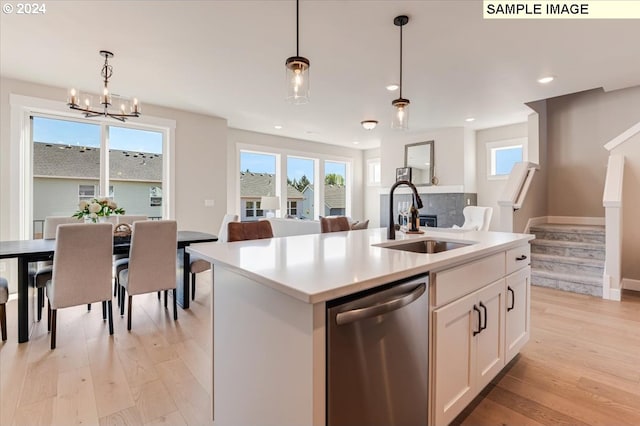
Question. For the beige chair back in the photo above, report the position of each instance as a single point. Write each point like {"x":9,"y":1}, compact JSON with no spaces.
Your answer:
{"x":51,"y":224}
{"x":152,"y":258}
{"x":478,"y":218}
{"x":130,"y":218}
{"x":224,"y":227}
{"x":81,"y":265}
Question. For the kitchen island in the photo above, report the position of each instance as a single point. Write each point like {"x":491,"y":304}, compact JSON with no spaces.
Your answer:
{"x":269,"y":321}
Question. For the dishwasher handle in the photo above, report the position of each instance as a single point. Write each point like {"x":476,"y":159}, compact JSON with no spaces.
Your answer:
{"x":381,"y":308}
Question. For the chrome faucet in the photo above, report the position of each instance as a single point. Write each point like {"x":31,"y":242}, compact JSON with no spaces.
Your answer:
{"x":391,"y":232}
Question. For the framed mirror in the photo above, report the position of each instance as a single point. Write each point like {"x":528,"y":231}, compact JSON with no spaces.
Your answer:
{"x":419,"y":156}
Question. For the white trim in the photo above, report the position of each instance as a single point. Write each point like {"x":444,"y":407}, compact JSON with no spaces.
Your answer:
{"x":533,"y":221}
{"x":630,"y":284}
{"x":433,"y":189}
{"x":622,"y":137}
{"x":22,"y":108}
{"x":615,"y":294}
{"x":612,"y":196}
{"x":576,"y":220}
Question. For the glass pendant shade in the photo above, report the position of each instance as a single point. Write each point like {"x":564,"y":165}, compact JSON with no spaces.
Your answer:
{"x":297,"y":79}
{"x":400,"y":119}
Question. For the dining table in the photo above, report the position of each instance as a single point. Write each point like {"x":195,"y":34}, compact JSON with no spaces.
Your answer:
{"x":27,"y":252}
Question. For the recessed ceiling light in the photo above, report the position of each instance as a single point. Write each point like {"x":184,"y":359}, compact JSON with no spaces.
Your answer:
{"x":277,"y":126}
{"x":392,"y":87}
{"x":356,"y":142}
{"x":469,"y":120}
{"x":545,"y":80}
{"x":369,"y":124}
{"x":311,"y":132}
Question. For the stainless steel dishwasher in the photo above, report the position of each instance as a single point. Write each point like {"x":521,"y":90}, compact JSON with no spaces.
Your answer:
{"x":377,"y":363}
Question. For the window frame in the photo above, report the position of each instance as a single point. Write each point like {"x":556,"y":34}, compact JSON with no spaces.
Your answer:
{"x":22,"y":108}
{"x":494,"y":146}
{"x":374,"y":177}
{"x":291,"y":206}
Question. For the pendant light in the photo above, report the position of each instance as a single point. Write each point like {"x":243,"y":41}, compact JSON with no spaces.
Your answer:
{"x":400,"y":118}
{"x":297,"y":72}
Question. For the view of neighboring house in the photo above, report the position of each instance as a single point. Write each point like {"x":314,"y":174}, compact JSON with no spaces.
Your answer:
{"x":254,"y":186}
{"x":64,"y":175}
{"x":334,"y":199}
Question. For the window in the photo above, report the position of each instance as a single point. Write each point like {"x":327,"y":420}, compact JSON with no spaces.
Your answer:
{"x":502,"y":155}
{"x":300,"y":177}
{"x":89,"y":192}
{"x":335,"y":190}
{"x":373,"y":172}
{"x":68,"y":155}
{"x":252,"y":210}
{"x":292,"y":208}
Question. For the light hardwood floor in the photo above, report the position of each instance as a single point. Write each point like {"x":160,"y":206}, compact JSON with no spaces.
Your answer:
{"x":581,"y":367}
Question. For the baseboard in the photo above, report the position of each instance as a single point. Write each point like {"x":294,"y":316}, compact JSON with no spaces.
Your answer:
{"x":615,"y":294}
{"x":576,"y":220}
{"x":533,"y":221}
{"x":629,"y":284}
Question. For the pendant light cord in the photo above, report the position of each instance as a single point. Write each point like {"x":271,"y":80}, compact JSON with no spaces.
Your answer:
{"x":401,"y":61}
{"x":297,"y":29}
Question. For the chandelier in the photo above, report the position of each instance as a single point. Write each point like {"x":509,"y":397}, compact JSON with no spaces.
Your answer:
{"x":400,"y":118}
{"x":297,"y":72}
{"x":85,"y":103}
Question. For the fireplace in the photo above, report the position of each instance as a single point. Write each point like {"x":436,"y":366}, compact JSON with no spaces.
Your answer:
{"x":430,"y":220}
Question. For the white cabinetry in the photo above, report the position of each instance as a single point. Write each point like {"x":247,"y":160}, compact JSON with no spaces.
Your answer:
{"x":517,"y":304}
{"x":469,"y":348}
{"x":480,"y":321}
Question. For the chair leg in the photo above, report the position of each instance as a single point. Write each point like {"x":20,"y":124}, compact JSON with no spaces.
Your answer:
{"x":3,"y":321}
{"x":175,"y":306}
{"x":48,"y":316}
{"x":110,"y":313}
{"x":121,"y":301}
{"x":115,"y":286}
{"x":104,"y":310}
{"x":40,"y":302}
{"x":129,"y":315}
{"x":165,"y":298}
{"x":53,"y":328}
{"x":158,"y":295}
{"x":88,"y":306}
{"x":193,"y":286}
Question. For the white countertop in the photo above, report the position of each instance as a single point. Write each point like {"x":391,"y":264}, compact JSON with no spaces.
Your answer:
{"x":319,"y":267}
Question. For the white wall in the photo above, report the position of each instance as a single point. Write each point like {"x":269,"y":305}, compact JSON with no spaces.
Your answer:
{"x":489,"y":190}
{"x":449,"y":155}
{"x":277,"y":144}
{"x":371,"y":193}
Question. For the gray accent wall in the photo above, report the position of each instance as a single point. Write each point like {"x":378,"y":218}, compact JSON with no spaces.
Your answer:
{"x":447,"y":207}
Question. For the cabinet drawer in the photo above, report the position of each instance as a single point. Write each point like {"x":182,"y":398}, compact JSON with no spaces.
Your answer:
{"x":518,"y":258}
{"x":453,"y":283}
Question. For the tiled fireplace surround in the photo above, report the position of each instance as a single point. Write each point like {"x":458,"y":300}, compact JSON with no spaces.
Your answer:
{"x":446,"y":206}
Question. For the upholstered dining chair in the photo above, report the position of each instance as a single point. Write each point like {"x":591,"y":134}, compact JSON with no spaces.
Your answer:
{"x":152,"y":262}
{"x":120,"y":261}
{"x":334,"y":224}
{"x":44,"y":269}
{"x":243,"y":231}
{"x":81,"y":270}
{"x":476,"y":218}
{"x":200,"y":265}
{"x":4,"y":297}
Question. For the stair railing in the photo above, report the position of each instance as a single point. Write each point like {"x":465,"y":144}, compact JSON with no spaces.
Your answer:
{"x":612,"y":202}
{"x":515,"y":192}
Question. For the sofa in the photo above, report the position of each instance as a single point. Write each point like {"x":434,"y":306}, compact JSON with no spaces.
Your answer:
{"x":288,"y":227}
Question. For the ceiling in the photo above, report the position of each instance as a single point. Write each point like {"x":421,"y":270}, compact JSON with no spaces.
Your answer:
{"x":226,"y":58}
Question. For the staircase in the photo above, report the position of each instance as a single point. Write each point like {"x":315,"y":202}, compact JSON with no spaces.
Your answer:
{"x":568,"y":257}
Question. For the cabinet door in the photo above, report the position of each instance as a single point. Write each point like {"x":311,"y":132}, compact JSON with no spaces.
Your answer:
{"x":490,"y":341}
{"x":454,"y":360}
{"x":517,"y":296}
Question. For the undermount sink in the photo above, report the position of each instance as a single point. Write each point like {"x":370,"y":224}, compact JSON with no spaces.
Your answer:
{"x":427,"y":246}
